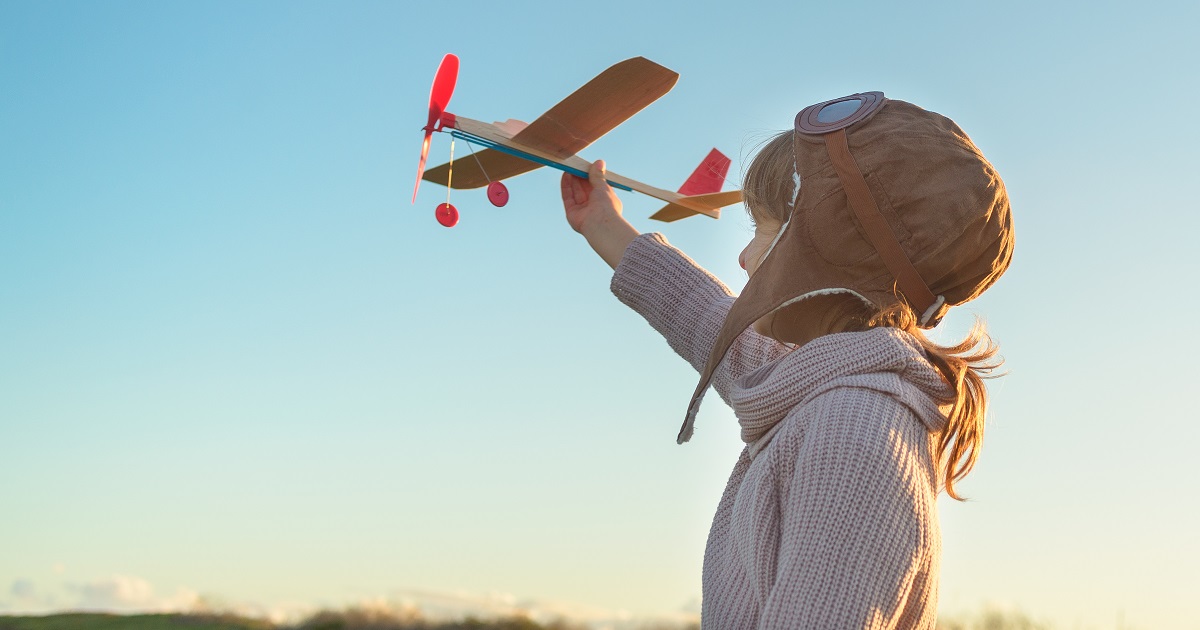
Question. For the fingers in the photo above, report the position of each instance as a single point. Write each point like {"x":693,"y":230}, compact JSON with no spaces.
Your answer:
{"x":578,"y":190}
{"x":573,"y":189}
{"x":596,"y":175}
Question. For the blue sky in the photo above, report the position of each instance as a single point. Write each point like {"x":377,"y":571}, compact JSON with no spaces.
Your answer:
{"x":236,"y":361}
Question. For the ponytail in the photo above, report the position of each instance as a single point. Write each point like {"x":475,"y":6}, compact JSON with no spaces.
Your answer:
{"x":963,"y":366}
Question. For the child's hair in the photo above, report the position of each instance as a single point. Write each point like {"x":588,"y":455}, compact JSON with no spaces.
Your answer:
{"x":768,"y":192}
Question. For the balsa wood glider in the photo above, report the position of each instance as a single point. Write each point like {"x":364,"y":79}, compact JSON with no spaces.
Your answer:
{"x":514,"y":147}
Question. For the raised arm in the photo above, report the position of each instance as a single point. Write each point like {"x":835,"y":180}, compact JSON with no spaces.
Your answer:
{"x":682,"y":301}
{"x":687,"y":305}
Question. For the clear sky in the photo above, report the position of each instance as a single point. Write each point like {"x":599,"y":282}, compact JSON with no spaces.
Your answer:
{"x":236,"y":361}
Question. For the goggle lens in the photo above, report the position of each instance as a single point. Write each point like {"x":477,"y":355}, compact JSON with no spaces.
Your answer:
{"x":839,"y":113}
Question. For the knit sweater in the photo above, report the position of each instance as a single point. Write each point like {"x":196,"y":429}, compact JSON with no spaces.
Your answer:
{"x":829,"y":518}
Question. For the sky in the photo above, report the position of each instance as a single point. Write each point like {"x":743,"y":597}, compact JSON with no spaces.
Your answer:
{"x":238,"y":366}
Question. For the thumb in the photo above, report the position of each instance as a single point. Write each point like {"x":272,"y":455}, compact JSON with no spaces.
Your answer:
{"x":596,"y":175}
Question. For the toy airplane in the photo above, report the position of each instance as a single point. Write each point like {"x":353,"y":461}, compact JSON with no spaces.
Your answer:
{"x":514,"y":147}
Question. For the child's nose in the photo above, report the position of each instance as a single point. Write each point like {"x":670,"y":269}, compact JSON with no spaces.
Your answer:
{"x":742,"y":259}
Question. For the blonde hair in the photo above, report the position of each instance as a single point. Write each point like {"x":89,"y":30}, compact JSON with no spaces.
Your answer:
{"x":768,"y":190}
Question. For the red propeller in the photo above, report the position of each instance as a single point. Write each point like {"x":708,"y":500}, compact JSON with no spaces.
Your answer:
{"x":439,"y":97}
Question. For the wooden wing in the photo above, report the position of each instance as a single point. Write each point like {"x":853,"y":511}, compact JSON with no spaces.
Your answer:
{"x":596,"y":108}
{"x":467,"y":172}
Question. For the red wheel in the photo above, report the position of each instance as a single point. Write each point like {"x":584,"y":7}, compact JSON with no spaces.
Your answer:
{"x":447,"y":215}
{"x":497,"y":193}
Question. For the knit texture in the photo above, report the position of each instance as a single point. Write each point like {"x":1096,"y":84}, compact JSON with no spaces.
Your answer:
{"x":829,"y":518}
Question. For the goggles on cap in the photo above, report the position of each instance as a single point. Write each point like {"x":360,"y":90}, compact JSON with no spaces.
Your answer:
{"x":830,"y":120}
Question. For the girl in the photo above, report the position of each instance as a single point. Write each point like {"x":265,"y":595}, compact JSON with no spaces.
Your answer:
{"x":872,"y":217}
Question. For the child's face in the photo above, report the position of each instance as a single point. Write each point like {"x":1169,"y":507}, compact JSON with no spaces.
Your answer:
{"x":765,"y":231}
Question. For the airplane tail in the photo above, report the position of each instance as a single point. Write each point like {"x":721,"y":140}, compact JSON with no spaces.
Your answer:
{"x":702,"y":191}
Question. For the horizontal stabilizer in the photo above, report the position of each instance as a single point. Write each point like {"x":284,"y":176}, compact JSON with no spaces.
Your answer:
{"x":707,"y":204}
{"x":701,"y":192}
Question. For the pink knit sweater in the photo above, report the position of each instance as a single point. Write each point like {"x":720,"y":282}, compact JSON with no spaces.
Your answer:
{"x":829,"y":518}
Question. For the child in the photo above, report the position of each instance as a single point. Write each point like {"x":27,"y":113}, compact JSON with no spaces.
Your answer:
{"x":873,"y":216}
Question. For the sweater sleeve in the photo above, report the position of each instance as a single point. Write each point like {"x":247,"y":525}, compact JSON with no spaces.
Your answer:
{"x":859,"y":543}
{"x":687,"y":305}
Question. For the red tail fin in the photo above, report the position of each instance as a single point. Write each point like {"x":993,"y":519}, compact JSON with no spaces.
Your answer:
{"x":709,"y":176}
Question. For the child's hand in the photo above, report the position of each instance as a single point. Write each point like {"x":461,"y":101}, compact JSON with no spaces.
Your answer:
{"x":590,"y":200}
{"x":594,"y":211}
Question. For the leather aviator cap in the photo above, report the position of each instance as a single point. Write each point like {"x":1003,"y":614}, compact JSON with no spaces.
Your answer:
{"x":895,"y":204}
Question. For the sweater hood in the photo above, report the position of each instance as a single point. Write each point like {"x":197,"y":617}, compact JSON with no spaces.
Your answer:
{"x":885,"y":360}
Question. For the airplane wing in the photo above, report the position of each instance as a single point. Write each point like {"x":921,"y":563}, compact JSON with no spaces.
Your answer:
{"x":467,"y":173}
{"x":596,"y":108}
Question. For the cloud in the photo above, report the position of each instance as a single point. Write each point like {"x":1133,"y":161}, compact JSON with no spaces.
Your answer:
{"x":27,"y":598}
{"x":23,"y":589}
{"x":125,"y":593}
{"x":117,"y":593}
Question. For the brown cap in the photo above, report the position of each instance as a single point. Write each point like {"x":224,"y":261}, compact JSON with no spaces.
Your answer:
{"x":895,"y":204}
